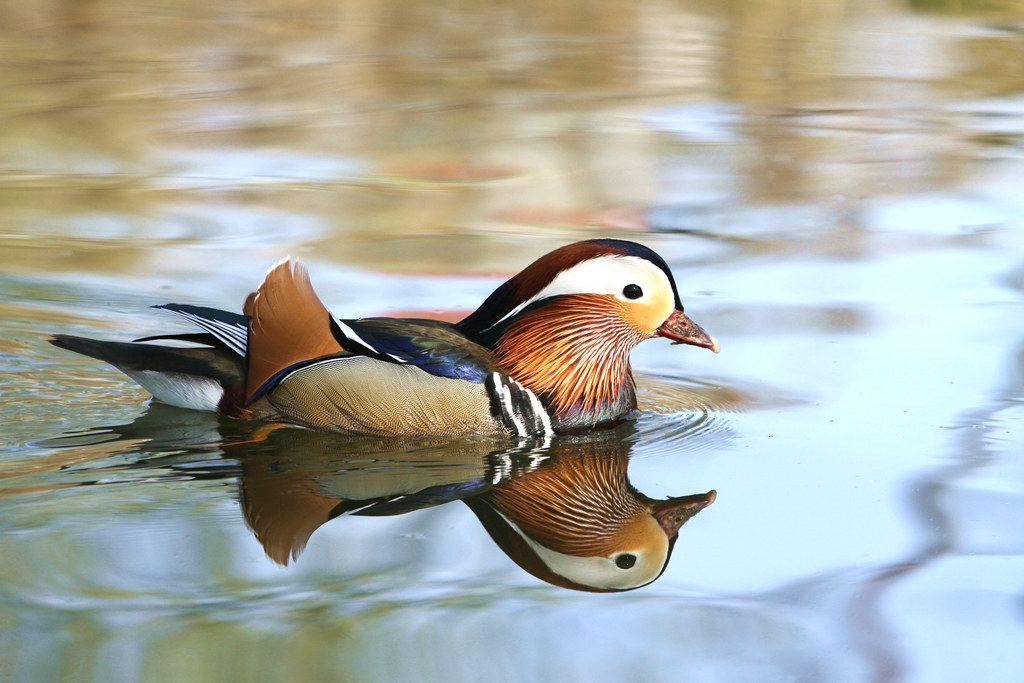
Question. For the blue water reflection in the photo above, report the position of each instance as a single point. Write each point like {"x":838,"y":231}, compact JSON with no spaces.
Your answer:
{"x":835,"y":185}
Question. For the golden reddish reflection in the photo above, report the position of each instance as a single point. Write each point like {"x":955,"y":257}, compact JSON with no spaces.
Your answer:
{"x":564,"y":511}
{"x":399,"y":130}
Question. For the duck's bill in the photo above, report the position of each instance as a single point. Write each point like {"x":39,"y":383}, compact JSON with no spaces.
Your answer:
{"x":673,"y":513}
{"x":681,"y":330}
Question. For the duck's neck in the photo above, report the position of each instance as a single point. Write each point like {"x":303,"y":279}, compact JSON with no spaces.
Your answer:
{"x":574,"y":356}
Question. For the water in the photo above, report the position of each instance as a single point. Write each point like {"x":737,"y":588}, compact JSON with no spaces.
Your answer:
{"x":836,"y":187}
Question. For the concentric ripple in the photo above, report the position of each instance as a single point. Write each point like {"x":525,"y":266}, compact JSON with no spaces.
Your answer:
{"x":691,"y":415}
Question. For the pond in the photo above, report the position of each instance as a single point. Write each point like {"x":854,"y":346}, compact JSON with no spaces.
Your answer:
{"x":836,"y":187}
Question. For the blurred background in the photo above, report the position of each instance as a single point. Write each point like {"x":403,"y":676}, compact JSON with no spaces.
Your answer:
{"x":837,"y":186}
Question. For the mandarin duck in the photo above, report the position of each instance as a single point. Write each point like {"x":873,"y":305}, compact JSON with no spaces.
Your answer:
{"x":546,"y":352}
{"x":566,"y":514}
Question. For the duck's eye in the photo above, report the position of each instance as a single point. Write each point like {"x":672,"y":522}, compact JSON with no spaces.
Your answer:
{"x":625,"y":560}
{"x":632,"y":292}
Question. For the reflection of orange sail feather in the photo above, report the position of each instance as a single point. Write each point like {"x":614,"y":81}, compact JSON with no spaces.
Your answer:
{"x":283,"y":510}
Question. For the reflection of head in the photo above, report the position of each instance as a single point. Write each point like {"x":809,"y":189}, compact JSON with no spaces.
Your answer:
{"x":578,"y":523}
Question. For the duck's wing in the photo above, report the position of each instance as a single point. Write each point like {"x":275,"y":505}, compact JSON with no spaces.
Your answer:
{"x":290,"y":327}
{"x":375,"y":375}
{"x":433,"y":346}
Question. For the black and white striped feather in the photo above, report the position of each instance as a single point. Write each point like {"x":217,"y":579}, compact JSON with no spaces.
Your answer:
{"x":517,"y":408}
{"x":230,"y":329}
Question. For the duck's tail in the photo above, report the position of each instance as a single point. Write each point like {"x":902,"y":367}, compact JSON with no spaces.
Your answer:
{"x":201,"y":378}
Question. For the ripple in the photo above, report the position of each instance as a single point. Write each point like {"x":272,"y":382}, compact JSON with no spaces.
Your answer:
{"x":664,"y":394}
{"x":686,"y":415}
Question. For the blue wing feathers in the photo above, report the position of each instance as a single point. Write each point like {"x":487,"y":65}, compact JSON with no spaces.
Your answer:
{"x":433,"y":346}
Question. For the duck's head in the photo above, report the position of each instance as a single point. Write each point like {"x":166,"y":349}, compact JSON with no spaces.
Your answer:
{"x":627,"y":281}
{"x":565,"y":325}
{"x":579,"y":524}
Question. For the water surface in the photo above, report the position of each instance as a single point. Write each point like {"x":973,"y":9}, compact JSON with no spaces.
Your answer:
{"x":835,"y":185}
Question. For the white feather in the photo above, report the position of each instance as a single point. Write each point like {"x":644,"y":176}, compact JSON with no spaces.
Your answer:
{"x":598,"y":571}
{"x":351,"y":335}
{"x":505,"y":395}
{"x":602,"y":275}
{"x":538,"y":408}
{"x":179,"y":389}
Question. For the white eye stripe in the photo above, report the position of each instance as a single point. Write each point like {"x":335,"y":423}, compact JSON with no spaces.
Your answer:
{"x":602,"y":275}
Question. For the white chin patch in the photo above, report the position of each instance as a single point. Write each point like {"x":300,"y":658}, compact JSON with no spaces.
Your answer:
{"x":179,"y":389}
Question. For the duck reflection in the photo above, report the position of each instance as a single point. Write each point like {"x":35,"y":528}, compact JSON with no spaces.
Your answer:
{"x":563,"y":511}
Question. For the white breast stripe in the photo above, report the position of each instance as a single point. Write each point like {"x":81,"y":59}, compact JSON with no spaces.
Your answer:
{"x":505,"y":394}
{"x":351,"y":335}
{"x":517,"y":407}
{"x":538,"y":409}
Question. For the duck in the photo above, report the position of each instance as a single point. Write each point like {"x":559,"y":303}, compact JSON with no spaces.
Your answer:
{"x":546,"y":353}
